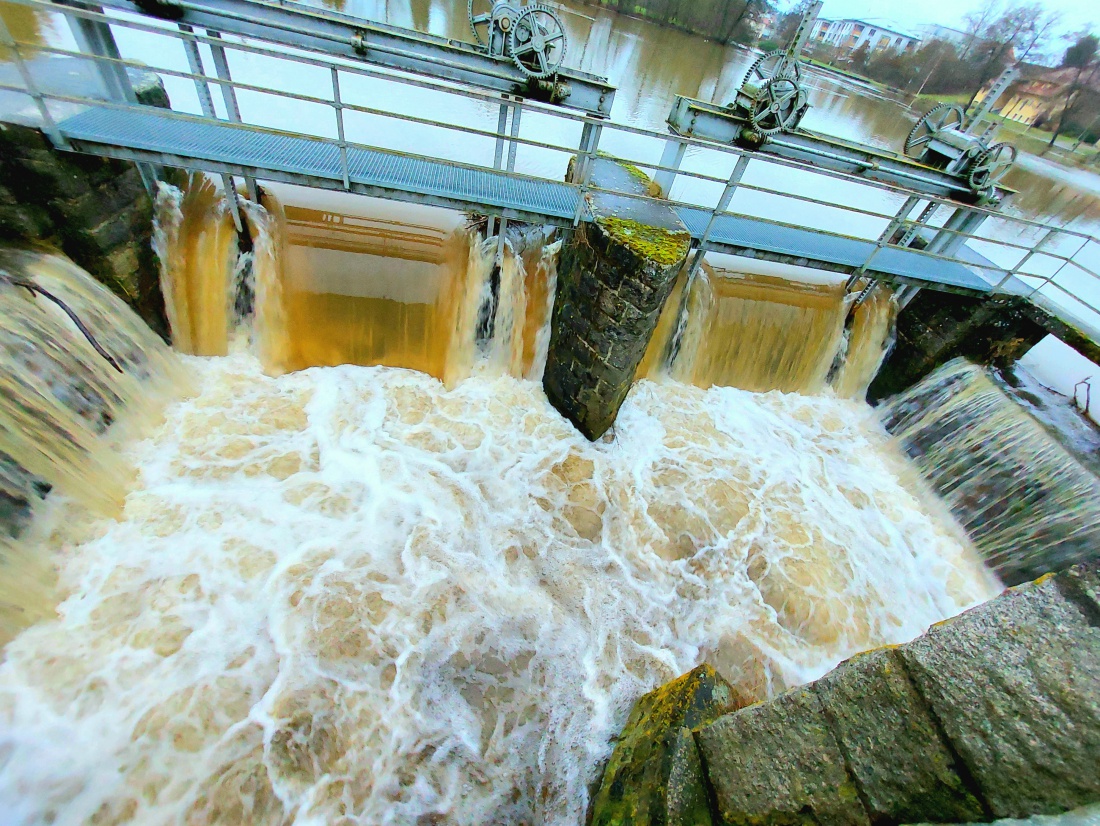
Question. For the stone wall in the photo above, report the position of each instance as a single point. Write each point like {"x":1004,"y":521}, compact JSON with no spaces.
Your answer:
{"x":614,"y":277}
{"x":94,"y":210}
{"x":936,"y":327}
{"x":992,"y":714}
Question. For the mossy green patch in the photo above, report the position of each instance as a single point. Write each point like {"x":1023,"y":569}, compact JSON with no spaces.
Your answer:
{"x":661,"y":246}
{"x":654,"y":775}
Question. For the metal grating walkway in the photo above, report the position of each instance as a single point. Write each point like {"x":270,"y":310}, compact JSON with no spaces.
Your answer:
{"x":220,"y":146}
{"x":313,"y":159}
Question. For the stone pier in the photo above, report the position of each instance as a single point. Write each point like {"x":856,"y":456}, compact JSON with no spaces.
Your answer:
{"x":94,"y":210}
{"x":993,"y":714}
{"x":613,"y":279}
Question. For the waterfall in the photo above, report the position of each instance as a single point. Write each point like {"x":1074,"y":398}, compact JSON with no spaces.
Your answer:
{"x":1028,"y":504}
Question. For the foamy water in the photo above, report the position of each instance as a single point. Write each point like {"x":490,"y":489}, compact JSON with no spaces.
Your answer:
{"x":349,"y":595}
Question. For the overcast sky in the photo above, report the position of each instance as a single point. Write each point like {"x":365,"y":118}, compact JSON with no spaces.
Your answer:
{"x":1076,"y":14}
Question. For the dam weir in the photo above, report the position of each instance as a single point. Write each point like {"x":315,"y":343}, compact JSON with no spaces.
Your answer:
{"x":353,"y":549}
{"x":359,"y":567}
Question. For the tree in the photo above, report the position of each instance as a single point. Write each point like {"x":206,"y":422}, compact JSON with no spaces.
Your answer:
{"x":1082,"y":57}
{"x":1010,"y":36}
{"x":859,"y":58}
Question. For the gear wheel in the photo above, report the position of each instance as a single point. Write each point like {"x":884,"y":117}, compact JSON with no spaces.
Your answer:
{"x":536,"y":42}
{"x":936,"y":119}
{"x":779,"y":107}
{"x":990,"y":166}
{"x":772,"y":64}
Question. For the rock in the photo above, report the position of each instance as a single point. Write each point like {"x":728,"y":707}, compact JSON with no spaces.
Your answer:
{"x":1015,"y":684}
{"x":1081,"y":583}
{"x":654,"y":775}
{"x":903,"y":768}
{"x":778,"y":764}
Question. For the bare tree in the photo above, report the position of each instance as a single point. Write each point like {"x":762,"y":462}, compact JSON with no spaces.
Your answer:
{"x":1084,"y":59}
{"x":1016,"y":33}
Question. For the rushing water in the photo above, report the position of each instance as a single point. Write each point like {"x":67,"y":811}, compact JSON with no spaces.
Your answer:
{"x":351,"y":594}
{"x":362,"y":572}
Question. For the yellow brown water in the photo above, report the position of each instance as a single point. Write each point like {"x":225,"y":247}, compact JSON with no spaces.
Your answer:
{"x":64,"y":409}
{"x":768,"y":331}
{"x":196,"y":244}
{"x":355,"y":594}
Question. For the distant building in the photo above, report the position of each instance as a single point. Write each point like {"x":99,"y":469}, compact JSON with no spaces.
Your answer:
{"x":851,"y":34}
{"x":934,"y":31}
{"x":1039,"y":95}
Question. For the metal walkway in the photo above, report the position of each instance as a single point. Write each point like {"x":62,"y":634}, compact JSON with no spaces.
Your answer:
{"x":880,"y":222}
{"x":308,"y":161}
{"x":162,"y":138}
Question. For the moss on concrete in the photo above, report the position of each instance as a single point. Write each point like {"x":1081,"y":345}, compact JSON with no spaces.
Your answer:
{"x":661,"y":246}
{"x":654,"y":775}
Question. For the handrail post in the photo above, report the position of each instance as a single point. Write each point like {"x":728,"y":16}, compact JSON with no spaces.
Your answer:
{"x":94,"y":37}
{"x":723,"y":202}
{"x":1042,"y":242}
{"x":206,"y":103}
{"x":229,"y":95}
{"x":513,"y":132}
{"x":883,"y":240}
{"x":338,"y":104}
{"x":582,"y":167}
{"x":672,"y":156}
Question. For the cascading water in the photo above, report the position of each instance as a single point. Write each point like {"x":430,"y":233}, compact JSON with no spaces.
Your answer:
{"x":361,"y":594}
{"x":1028,"y":504}
{"x":70,"y":397}
{"x":767,"y":330}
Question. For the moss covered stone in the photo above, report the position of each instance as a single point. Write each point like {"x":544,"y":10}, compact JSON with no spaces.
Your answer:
{"x":663,"y":247}
{"x":654,"y":775}
{"x":614,"y":277}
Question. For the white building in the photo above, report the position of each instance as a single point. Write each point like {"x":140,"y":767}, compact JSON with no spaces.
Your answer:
{"x":934,"y":31}
{"x":851,"y":34}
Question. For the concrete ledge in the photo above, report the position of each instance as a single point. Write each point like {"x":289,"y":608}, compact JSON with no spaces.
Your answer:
{"x":992,"y":714}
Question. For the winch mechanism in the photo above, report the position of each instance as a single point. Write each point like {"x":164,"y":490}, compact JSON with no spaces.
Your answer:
{"x":771,"y":97}
{"x":532,"y":35}
{"x":944,"y":138}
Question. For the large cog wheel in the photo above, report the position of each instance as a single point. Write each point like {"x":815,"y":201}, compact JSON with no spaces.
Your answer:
{"x":778,"y":107}
{"x":936,"y":119}
{"x":990,"y":166}
{"x":536,"y":42}
{"x":773,"y":64}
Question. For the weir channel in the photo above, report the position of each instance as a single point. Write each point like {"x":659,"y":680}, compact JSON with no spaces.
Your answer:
{"x":432,"y":486}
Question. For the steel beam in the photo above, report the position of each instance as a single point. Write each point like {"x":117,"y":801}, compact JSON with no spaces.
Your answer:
{"x":699,"y":119}
{"x":334,"y":34}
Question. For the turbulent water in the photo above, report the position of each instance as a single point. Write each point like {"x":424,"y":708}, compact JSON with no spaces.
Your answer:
{"x":368,"y":594}
{"x":349,"y":591}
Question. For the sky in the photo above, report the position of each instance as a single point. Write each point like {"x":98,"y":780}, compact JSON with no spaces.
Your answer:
{"x":1076,"y":14}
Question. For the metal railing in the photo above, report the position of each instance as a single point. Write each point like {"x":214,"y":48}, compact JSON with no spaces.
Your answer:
{"x":987,"y":242}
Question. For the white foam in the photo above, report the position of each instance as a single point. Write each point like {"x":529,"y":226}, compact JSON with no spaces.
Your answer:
{"x":349,"y":595}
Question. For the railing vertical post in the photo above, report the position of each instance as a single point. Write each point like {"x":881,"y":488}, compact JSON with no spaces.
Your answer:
{"x":582,"y":167}
{"x":229,"y":95}
{"x":672,"y":156}
{"x":723,"y":203}
{"x":922,"y":220}
{"x":513,"y":132}
{"x":49,"y":125}
{"x":883,"y":240}
{"x":339,"y":105}
{"x":206,"y":103}
{"x":94,"y":37}
{"x":1042,"y":242}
